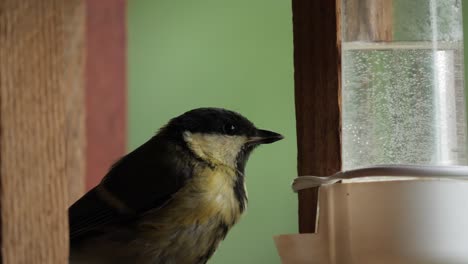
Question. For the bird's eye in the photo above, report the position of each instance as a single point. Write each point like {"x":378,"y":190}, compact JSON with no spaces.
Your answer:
{"x":229,"y":129}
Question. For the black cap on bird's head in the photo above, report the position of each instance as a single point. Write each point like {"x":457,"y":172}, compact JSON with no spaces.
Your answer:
{"x":219,"y":133}
{"x":222,"y":122}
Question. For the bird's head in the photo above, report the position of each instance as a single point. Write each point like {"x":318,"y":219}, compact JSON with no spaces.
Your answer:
{"x":218,"y":136}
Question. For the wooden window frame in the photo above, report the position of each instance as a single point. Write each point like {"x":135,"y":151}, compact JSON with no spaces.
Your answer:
{"x":317,"y":63}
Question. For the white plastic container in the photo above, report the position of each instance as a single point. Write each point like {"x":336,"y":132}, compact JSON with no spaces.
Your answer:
{"x":386,"y":215}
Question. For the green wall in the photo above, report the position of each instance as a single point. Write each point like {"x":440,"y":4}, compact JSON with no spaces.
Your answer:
{"x":235,"y":54}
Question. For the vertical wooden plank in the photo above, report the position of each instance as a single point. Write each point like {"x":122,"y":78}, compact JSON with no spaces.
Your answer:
{"x":41,"y":126}
{"x":317,"y":93}
{"x":106,"y":84}
{"x":74,"y":87}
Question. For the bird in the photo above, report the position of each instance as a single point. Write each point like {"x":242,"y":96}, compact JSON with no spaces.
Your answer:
{"x":173,"y":199}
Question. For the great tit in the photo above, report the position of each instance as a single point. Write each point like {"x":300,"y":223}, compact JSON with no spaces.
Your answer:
{"x":173,"y":199}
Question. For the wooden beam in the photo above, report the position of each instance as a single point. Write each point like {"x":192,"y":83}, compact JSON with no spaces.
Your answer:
{"x":317,"y":66}
{"x":106,"y":84}
{"x":41,"y":126}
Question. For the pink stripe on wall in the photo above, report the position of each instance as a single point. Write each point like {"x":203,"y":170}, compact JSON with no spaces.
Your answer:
{"x":106,"y":84}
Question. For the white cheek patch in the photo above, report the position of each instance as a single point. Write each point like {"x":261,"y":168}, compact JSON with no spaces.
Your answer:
{"x":215,"y":148}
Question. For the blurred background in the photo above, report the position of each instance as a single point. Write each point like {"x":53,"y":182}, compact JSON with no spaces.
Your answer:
{"x":235,"y":54}
{"x":146,"y":61}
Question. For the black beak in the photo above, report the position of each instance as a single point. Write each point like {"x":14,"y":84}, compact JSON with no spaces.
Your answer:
{"x":265,"y":137}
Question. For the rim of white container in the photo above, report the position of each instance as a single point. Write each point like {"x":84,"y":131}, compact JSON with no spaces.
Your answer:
{"x":384,"y":172}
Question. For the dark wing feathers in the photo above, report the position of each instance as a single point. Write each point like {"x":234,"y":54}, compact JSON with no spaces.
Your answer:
{"x":89,"y":213}
{"x":142,"y":180}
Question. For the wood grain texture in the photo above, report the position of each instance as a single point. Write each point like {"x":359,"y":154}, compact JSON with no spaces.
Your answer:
{"x":368,"y":20}
{"x":41,"y":126}
{"x":106,"y":83}
{"x":317,"y":66}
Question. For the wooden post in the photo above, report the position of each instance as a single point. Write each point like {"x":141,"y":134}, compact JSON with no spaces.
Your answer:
{"x":41,"y":126}
{"x":317,"y":91}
